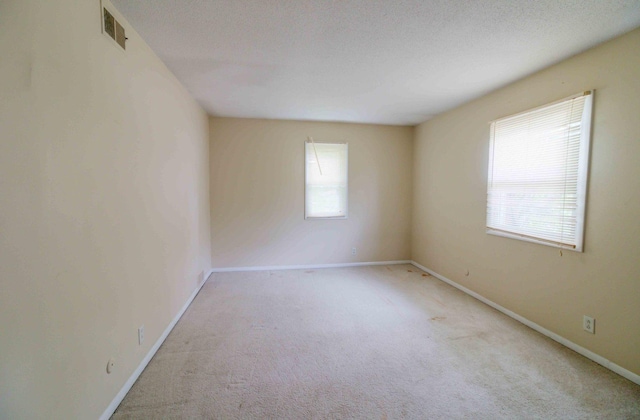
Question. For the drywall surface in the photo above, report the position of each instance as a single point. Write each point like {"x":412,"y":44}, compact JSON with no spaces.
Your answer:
{"x":257,"y":194}
{"x":104,"y":215}
{"x":535,"y":281}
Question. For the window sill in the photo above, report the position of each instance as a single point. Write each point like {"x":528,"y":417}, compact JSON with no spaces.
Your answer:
{"x":530,"y":239}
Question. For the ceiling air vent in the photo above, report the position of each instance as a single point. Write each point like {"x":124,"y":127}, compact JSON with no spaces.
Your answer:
{"x":113,"y":28}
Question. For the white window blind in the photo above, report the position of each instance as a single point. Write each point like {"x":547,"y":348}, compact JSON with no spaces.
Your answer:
{"x":538,"y":173}
{"x":326,"y":181}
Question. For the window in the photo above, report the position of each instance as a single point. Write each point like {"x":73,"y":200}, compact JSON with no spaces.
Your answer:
{"x":325,"y":180}
{"x":538,"y":164}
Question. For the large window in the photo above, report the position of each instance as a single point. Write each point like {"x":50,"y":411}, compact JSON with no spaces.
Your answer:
{"x":325,"y":180}
{"x":538,"y":167}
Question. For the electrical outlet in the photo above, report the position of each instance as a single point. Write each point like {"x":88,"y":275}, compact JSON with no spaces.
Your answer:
{"x":353,"y":251}
{"x":141,"y":335}
{"x":589,"y":324}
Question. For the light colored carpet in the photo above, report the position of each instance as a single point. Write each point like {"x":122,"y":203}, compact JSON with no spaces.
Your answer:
{"x":383,"y":342}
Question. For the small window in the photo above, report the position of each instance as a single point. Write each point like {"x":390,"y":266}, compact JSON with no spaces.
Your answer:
{"x":538,"y":165}
{"x":325,"y":180}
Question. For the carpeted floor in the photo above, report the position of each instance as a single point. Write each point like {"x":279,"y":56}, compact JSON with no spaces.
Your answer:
{"x":381,"y":342}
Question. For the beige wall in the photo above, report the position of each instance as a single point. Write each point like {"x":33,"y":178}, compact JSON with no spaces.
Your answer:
{"x":450,"y":179}
{"x":257,"y":194}
{"x":104,"y":206}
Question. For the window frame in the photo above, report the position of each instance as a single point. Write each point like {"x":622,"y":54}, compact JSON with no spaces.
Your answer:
{"x":582,"y":178}
{"x":306,"y":190}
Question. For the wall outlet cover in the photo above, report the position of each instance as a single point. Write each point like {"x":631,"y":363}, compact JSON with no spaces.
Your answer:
{"x":141,"y":335}
{"x":589,"y":324}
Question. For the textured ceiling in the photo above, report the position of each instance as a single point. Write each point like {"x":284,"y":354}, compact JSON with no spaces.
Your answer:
{"x":389,"y":62}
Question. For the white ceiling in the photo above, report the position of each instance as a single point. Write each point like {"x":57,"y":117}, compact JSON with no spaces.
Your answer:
{"x":389,"y":62}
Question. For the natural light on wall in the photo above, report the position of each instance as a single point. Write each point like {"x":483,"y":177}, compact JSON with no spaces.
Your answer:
{"x":326,"y":183}
{"x":538,"y":165}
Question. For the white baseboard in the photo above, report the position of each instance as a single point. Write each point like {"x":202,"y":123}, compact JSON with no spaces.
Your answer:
{"x":306,"y":267}
{"x":143,"y":364}
{"x":570,"y":344}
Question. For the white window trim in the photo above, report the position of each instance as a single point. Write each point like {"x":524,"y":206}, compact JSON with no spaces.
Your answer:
{"x":346,"y":208}
{"x":583,"y":174}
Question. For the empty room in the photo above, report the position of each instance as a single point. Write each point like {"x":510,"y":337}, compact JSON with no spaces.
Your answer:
{"x":319,"y":209}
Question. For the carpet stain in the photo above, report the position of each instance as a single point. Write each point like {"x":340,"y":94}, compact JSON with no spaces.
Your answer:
{"x":385,"y":299}
{"x":438,"y":318}
{"x":477,"y":335}
{"x":237,"y":384}
{"x":310,"y":271}
{"x":461,"y":337}
{"x":411,"y":271}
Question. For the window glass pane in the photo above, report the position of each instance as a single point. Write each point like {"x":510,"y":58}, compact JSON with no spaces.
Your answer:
{"x":537,"y":173}
{"x":326,"y":180}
